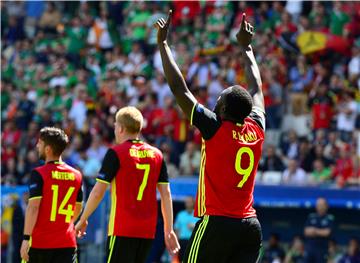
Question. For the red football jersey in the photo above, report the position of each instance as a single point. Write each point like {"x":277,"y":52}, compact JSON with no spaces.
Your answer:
{"x":59,"y":187}
{"x":229,"y":162}
{"x":134,"y":169}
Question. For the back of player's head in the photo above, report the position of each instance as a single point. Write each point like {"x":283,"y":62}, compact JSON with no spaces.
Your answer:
{"x":55,"y":138}
{"x":130,"y":118}
{"x":236,"y":103}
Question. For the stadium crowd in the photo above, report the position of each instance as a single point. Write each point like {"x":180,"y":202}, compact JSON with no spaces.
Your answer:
{"x":73,"y":64}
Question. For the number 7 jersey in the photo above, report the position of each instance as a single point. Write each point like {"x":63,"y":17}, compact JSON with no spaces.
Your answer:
{"x":230,"y":154}
{"x":133,"y":169}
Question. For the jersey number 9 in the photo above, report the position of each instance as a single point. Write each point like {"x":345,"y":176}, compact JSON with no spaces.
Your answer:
{"x":245,"y":171}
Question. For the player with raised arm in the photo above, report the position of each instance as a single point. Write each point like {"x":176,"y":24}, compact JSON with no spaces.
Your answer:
{"x":55,"y":202}
{"x":135,"y":170}
{"x":233,"y":135}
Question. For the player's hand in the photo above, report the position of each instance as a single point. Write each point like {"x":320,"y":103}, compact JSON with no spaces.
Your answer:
{"x":163,"y":27}
{"x":172,"y":243}
{"x":24,"y":250}
{"x":80,"y":228}
{"x":246,"y":32}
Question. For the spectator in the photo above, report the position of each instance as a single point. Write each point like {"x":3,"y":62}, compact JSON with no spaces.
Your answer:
{"x":300,"y":76}
{"x":201,"y":71}
{"x":272,"y":161}
{"x":338,"y":19}
{"x":354,"y":65}
{"x":296,"y":253}
{"x":334,"y":253}
{"x":11,"y":135}
{"x":321,"y":104}
{"x":294,"y":175}
{"x":76,"y":34}
{"x":25,"y":111}
{"x":99,"y":34}
{"x":318,"y":230}
{"x":136,"y":21}
{"x":14,"y":31}
{"x":78,"y":110}
{"x":290,"y":145}
{"x":97,"y":150}
{"x":184,"y":225}
{"x":190,"y":160}
{"x":347,"y":110}
{"x":217,"y":21}
{"x":344,"y":167}
{"x":274,"y":252}
{"x":321,"y":174}
{"x":353,"y":252}
{"x":318,"y":12}
{"x":273,"y":95}
{"x":161,"y":88}
{"x":50,"y":19}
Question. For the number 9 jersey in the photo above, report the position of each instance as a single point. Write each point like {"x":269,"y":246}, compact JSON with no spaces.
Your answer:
{"x":230,"y":154}
{"x":60,"y":187}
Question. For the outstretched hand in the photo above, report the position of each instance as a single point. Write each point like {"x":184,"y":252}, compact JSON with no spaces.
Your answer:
{"x":163,"y":27}
{"x":246,"y":32}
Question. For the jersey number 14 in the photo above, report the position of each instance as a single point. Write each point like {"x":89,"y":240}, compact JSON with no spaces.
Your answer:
{"x":68,"y":211}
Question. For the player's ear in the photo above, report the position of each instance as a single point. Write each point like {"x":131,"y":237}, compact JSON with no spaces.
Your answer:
{"x":48,"y":150}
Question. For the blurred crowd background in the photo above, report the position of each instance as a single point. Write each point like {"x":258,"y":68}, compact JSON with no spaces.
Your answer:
{"x":74,"y":64}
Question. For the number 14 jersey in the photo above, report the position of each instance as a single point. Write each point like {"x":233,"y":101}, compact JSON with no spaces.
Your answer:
{"x":59,"y":187}
{"x":230,"y":154}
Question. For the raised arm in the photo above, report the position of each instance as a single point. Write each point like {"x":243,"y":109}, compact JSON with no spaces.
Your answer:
{"x":252,"y":73}
{"x":176,"y":81}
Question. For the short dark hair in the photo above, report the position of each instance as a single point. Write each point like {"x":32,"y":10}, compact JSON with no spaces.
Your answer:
{"x":238,"y":103}
{"x":54,"y":137}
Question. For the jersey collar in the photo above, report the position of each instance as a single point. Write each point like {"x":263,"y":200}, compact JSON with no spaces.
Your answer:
{"x":135,"y":141}
{"x":54,"y":162}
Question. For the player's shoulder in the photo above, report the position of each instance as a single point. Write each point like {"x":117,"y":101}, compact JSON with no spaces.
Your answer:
{"x":257,"y":117}
{"x":70,"y":168}
{"x":40,"y":168}
{"x":153,"y":148}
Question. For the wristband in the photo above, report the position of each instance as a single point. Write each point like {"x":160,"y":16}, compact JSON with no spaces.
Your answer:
{"x":26,"y":237}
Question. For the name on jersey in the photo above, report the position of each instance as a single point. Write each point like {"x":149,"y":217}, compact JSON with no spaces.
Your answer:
{"x":142,"y":153}
{"x":247,"y":137}
{"x":62,"y":175}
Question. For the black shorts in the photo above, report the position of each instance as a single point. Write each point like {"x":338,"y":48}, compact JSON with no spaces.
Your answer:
{"x":221,"y":239}
{"x":127,"y":249}
{"x":52,"y":255}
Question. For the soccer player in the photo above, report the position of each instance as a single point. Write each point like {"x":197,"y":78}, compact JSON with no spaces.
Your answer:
{"x":233,"y":135}
{"x":55,"y":201}
{"x":135,"y":170}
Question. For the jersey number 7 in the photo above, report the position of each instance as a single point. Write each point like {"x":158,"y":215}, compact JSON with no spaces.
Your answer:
{"x":146,"y":168}
{"x":245,"y":171}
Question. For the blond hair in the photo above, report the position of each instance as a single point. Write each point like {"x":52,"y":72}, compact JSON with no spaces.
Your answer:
{"x":130,"y":118}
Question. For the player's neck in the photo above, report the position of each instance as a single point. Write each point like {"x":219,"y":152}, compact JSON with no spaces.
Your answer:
{"x":130,"y":137}
{"x":53,"y":158}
